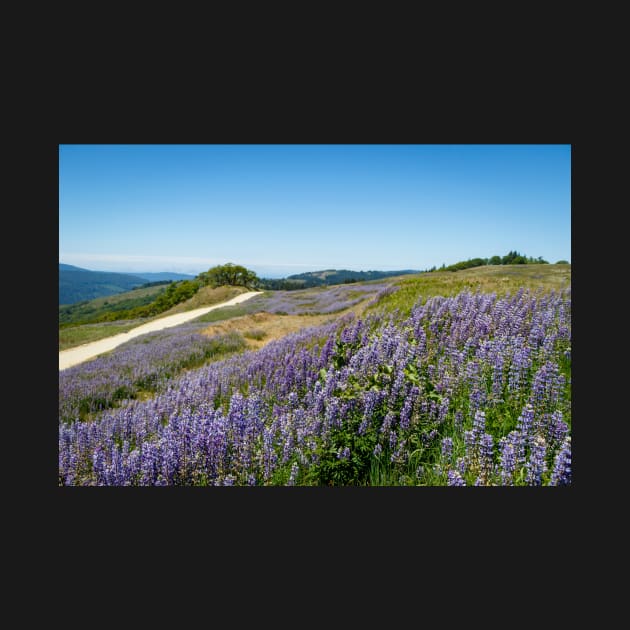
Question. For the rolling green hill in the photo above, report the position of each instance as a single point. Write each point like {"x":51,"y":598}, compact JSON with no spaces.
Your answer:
{"x":76,"y":285}
{"x":329,"y":276}
{"x":87,"y":310}
{"x":499,"y":279}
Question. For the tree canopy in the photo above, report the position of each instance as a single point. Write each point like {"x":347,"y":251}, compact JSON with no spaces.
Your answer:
{"x":511,"y":258}
{"x":230,"y":274}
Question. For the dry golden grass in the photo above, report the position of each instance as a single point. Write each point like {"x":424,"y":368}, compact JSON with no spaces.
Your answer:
{"x":270,"y":325}
{"x":259,"y":329}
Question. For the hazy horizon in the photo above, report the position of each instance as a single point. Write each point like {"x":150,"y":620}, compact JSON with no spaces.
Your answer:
{"x":260,"y":271}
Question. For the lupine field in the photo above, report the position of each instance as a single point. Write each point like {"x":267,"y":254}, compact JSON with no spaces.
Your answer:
{"x":314,"y":301}
{"x":468,"y":390}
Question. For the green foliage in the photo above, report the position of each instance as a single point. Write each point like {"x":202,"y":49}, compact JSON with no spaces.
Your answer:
{"x":331,"y":468}
{"x":112,"y":308}
{"x":147,"y":302}
{"x":229,"y":274}
{"x":511,"y":258}
{"x":281,"y":284}
{"x":514,"y":258}
{"x":563,"y":262}
{"x":175,"y":293}
{"x":255,"y":333}
{"x":467,"y":264}
{"x":155,"y":283}
{"x":311,"y":279}
{"x":82,"y":284}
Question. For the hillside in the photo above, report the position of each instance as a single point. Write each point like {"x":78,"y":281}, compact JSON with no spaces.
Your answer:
{"x":63,"y":267}
{"x":76,"y":285}
{"x":445,"y":379}
{"x":82,"y":323}
{"x":91,"y":309}
{"x":330,"y":276}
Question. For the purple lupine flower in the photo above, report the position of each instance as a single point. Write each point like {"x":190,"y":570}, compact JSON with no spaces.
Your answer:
{"x":459,"y":420}
{"x":393,"y":440}
{"x":99,"y":466}
{"x":427,"y":438}
{"x":525,"y":422}
{"x":344,"y":454}
{"x":387,"y":423}
{"x":558,"y":428}
{"x":561,"y":473}
{"x":536,"y":464}
{"x":447,"y":448}
{"x":469,"y":441}
{"x":460,"y":465}
{"x":486,"y":450}
{"x":455,"y":479}
{"x":479,"y":425}
{"x":405,"y":412}
{"x":378,"y":449}
{"x":507,"y":462}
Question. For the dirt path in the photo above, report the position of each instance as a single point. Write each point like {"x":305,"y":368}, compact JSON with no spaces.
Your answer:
{"x":74,"y":356}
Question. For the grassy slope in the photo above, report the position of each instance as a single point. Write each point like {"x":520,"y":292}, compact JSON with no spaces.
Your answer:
{"x":206,"y":296}
{"x":499,"y":279}
{"x":79,"y":285}
{"x":129,"y":299}
{"x":77,"y":335}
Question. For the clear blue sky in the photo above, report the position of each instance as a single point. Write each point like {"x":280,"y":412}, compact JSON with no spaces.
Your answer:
{"x":283,"y":209}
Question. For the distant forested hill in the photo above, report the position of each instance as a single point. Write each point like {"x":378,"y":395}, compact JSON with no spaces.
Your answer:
{"x":76,"y":284}
{"x":334,"y":276}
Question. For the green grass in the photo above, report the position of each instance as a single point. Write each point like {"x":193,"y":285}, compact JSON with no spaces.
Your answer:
{"x":206,"y":296}
{"x":76,"y":313}
{"x":227,"y":312}
{"x":75,"y":334}
{"x":499,"y":279}
{"x":78,"y":335}
{"x":255,"y":333}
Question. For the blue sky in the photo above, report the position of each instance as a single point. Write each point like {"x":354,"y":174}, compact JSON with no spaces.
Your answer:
{"x":283,"y":209}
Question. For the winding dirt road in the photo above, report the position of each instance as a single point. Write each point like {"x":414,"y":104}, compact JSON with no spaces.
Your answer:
{"x":74,"y":356}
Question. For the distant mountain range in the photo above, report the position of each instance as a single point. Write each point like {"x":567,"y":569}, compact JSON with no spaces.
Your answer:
{"x":77,"y":284}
